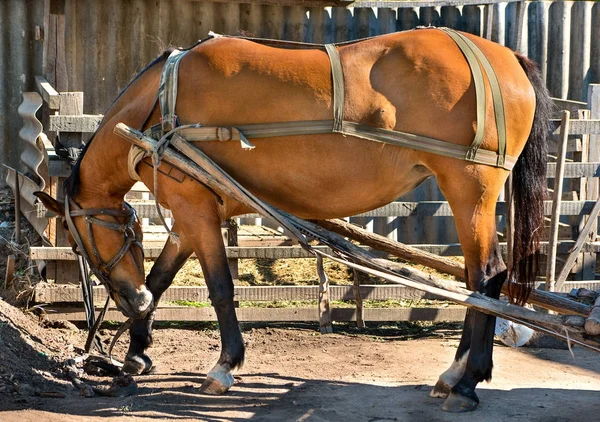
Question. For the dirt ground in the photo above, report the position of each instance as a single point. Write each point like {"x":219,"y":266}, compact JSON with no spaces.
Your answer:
{"x":291,"y":373}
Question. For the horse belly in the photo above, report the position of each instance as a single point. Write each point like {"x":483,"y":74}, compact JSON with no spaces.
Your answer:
{"x":325,"y":176}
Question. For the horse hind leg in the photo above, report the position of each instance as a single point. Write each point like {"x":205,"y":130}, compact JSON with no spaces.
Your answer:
{"x":161,"y":276}
{"x":473,"y":203}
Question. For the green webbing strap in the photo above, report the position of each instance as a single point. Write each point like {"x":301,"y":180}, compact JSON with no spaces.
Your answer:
{"x":497,"y":99}
{"x":474,"y":55}
{"x":479,"y":90}
{"x":195,"y":133}
{"x":167,"y":91}
{"x":337,"y":75}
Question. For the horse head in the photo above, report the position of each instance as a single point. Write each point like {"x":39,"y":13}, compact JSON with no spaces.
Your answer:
{"x":110,"y":240}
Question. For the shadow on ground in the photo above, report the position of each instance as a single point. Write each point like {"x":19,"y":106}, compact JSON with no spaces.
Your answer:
{"x":271,"y":397}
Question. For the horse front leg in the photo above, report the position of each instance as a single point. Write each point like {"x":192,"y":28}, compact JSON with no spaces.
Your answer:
{"x":201,"y":223}
{"x":169,"y":262}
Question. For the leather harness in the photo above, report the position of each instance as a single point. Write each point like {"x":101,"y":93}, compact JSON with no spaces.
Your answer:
{"x":478,"y":63}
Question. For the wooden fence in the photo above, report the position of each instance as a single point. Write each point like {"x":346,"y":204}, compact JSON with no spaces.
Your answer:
{"x":580,"y":171}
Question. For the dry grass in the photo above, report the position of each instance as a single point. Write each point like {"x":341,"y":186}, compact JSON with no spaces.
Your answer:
{"x":285,"y":272}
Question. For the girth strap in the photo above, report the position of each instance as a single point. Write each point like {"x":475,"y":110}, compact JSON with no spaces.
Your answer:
{"x":167,"y":91}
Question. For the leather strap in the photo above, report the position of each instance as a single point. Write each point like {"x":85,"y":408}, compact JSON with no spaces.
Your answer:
{"x":337,"y":75}
{"x":167,"y":91}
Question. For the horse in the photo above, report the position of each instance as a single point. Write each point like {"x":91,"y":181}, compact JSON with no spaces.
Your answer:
{"x":417,"y":82}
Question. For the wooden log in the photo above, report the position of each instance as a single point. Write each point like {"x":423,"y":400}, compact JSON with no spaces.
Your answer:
{"x":537,"y":297}
{"x":557,"y":198}
{"x":398,"y":249}
{"x":592,"y":323}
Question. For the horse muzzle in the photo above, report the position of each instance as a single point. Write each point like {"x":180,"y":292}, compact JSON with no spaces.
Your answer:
{"x":134,"y":303}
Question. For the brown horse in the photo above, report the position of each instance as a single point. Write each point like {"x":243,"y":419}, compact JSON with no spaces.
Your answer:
{"x":417,"y":82}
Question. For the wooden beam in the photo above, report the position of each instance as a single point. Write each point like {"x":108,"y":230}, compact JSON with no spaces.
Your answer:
{"x":72,"y":293}
{"x":282,"y":252}
{"x":450,"y":313}
{"x":84,"y":123}
{"x":579,"y":127}
{"x":48,"y":93}
{"x":146,"y":209}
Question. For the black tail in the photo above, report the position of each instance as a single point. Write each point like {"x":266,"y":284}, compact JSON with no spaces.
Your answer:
{"x":529,"y":188}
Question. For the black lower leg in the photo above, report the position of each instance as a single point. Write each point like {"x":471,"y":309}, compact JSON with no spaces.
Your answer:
{"x":221,"y":295}
{"x":481,"y":328}
{"x":158,"y":280}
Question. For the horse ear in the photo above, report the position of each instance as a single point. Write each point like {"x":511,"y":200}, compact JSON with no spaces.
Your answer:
{"x":50,"y":203}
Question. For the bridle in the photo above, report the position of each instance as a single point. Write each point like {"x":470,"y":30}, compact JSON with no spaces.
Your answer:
{"x":102,"y":269}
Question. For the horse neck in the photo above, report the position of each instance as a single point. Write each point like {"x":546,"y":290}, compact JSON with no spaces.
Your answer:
{"x":104,"y":178}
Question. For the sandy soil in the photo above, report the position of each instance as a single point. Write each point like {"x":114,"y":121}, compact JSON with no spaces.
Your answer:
{"x":292,"y":373}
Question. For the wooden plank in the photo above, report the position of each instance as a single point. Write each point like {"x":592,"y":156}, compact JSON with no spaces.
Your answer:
{"x":72,"y":293}
{"x":48,"y":93}
{"x":283,"y":252}
{"x":572,"y":106}
{"x":10,"y":270}
{"x":146,"y":209}
{"x":84,"y":123}
{"x":579,"y":127}
{"x":450,"y":313}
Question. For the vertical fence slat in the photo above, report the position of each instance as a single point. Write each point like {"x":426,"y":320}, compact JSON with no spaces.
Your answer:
{"x":556,"y":201}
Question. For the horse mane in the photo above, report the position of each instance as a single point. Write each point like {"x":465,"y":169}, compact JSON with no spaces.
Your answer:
{"x":72,"y":183}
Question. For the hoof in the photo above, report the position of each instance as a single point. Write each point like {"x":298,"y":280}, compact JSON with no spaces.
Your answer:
{"x":455,"y":403}
{"x":441,"y":390}
{"x":218,"y":381}
{"x":137,"y":365}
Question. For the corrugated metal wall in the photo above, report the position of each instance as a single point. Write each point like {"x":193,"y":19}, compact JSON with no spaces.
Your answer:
{"x":20,"y":61}
{"x":107,"y":42}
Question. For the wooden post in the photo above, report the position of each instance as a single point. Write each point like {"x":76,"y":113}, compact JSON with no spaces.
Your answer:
{"x":10,"y":270}
{"x":360,"y":312}
{"x":229,"y":230}
{"x":17,"y":208}
{"x":556,"y":201}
